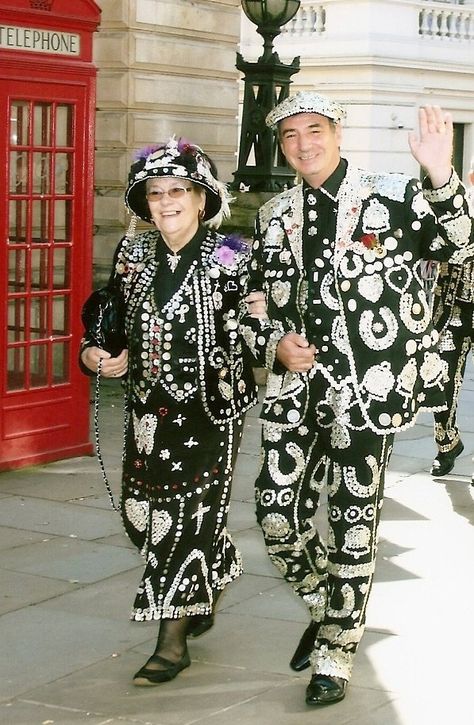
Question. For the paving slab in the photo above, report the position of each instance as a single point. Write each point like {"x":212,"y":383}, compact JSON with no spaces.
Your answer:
{"x":245,"y":588}
{"x":256,"y":561}
{"x":274,"y":602}
{"x":76,"y":484}
{"x":198,"y":693}
{"x":43,"y":646}
{"x":242,"y":516}
{"x":262,"y":644}
{"x":110,"y":598}
{"x":284,"y":703}
{"x":52,"y":517}
{"x":20,"y":590}
{"x":23,"y":712}
{"x":70,"y":560}
{"x":100,"y":500}
{"x":10,"y":537}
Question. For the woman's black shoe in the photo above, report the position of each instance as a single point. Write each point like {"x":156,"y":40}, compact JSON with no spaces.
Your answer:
{"x":147,"y":676}
{"x":199,"y":624}
{"x":444,"y":462}
{"x":300,"y":659}
{"x":325,"y":689}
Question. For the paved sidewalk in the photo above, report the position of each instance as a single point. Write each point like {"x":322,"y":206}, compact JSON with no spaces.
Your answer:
{"x":69,"y":575}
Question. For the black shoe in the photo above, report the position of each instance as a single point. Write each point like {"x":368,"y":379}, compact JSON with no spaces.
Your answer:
{"x":444,"y":462}
{"x":147,"y":676}
{"x":300,"y":660}
{"x":199,"y":624}
{"x":325,"y":689}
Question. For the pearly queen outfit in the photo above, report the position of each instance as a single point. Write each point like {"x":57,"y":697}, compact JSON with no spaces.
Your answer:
{"x":188,"y":389}
{"x":341,"y":266}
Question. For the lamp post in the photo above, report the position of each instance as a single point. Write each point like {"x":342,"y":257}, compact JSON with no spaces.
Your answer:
{"x":266,"y":83}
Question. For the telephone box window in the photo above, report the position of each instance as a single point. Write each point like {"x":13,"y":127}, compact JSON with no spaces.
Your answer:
{"x":62,"y":221}
{"x":41,"y":173}
{"x":62,"y":175}
{"x":38,"y":366}
{"x":19,"y":122}
{"x":64,"y":118}
{"x":60,"y":307}
{"x":60,"y":362}
{"x":61,"y":267}
{"x":16,"y":319}
{"x":18,"y":172}
{"x":40,"y":217}
{"x":16,"y":270}
{"x":42,"y":124}
{"x":40,"y":269}
{"x":40,"y":220}
{"x":17,"y":222}
{"x":16,"y":368}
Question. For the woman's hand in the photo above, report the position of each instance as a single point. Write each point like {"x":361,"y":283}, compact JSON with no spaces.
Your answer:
{"x":112,"y":367}
{"x":256,"y":305}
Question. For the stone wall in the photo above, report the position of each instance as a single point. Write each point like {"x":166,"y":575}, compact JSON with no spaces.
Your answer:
{"x":164,"y":67}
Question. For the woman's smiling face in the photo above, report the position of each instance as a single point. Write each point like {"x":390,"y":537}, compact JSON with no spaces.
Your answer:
{"x":174,"y":207}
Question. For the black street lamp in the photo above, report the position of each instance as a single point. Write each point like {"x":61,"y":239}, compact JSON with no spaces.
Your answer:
{"x":266,"y":83}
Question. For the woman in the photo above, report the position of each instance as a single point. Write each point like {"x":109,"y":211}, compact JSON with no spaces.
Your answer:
{"x":188,"y":387}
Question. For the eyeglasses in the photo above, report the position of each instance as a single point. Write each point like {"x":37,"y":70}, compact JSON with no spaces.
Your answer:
{"x":176,"y":192}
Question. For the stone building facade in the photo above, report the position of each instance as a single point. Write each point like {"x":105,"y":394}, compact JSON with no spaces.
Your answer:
{"x":164,"y":66}
{"x":169,"y":66}
{"x":383,"y":59}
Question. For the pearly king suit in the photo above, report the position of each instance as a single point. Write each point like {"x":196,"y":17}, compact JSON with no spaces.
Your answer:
{"x":376,"y":367}
{"x":453,"y":317}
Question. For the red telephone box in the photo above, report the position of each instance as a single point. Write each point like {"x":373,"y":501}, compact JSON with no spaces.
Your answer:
{"x":47,"y":112}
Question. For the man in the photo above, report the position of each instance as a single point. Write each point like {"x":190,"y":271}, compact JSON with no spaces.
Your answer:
{"x":351,"y":356}
{"x":453,"y":314}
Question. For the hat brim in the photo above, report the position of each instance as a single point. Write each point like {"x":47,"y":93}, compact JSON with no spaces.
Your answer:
{"x":135,"y":198}
{"x":305,"y":102}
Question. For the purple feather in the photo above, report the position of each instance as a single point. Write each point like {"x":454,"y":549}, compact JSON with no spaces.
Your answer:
{"x":147,"y":151}
{"x":233,"y":241}
{"x":186,"y":147}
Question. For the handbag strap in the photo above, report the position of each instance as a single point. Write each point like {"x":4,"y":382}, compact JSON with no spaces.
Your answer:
{"x":97,"y":437}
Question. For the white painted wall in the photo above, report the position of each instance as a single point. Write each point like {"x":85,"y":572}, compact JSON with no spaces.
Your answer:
{"x":382,"y":59}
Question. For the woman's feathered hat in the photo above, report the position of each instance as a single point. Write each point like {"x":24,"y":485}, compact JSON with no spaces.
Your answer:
{"x":178,"y":159}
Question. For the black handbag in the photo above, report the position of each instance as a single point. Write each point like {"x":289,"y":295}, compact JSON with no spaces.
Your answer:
{"x":103,"y":317}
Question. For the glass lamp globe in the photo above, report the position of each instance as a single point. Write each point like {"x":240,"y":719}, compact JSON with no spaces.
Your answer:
{"x":270,"y":12}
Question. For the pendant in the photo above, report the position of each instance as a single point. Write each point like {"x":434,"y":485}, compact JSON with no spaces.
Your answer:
{"x":173,"y":260}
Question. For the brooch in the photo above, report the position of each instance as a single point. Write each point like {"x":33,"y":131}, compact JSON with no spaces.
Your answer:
{"x":372,"y":242}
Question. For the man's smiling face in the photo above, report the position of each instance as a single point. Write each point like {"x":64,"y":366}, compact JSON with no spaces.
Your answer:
{"x":310,"y":143}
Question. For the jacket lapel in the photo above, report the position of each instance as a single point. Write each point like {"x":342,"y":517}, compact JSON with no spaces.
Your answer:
{"x":292,"y":218}
{"x":350,"y":198}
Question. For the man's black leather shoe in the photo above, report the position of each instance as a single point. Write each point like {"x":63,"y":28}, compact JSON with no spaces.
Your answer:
{"x":325,"y":689}
{"x":444,"y":462}
{"x":300,"y":660}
